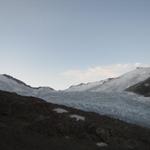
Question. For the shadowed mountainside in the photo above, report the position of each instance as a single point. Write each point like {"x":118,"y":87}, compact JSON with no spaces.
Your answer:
{"x":142,"y":88}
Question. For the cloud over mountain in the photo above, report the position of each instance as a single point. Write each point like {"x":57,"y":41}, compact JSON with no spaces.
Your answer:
{"x":99,"y":72}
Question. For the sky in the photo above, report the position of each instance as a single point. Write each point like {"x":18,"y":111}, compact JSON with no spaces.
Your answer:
{"x":58,"y":43}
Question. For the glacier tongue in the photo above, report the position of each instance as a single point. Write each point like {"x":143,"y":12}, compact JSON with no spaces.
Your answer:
{"x":124,"y":106}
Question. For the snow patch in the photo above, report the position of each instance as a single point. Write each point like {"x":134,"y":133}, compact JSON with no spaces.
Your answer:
{"x":146,"y":84}
{"x":67,"y":137}
{"x":60,"y":110}
{"x":77,"y":117}
{"x":101,"y":144}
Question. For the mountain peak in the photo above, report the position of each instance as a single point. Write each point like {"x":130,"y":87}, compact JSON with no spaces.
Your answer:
{"x":23,"y":83}
{"x":16,"y":80}
{"x":11,"y":84}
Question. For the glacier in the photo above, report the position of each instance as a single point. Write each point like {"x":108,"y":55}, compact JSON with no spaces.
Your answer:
{"x":125,"y":106}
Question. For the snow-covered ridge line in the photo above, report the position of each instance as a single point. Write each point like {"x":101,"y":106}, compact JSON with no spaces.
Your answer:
{"x":23,"y":83}
{"x":118,"y":84}
{"x":11,"y":84}
{"x":18,"y":81}
{"x":87,"y":86}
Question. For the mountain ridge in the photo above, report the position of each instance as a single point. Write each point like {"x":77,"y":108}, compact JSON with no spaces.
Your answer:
{"x":11,"y":84}
{"x":117,"y":84}
{"x":21,"y":82}
{"x":120,"y":83}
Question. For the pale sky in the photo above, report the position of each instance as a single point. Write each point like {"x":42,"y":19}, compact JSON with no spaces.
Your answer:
{"x":57,"y":43}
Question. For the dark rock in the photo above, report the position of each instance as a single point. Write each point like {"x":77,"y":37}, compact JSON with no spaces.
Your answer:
{"x":28,"y":123}
{"x":142,"y":88}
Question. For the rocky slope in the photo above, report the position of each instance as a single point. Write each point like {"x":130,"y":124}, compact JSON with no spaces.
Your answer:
{"x":142,"y":88}
{"x":28,"y":123}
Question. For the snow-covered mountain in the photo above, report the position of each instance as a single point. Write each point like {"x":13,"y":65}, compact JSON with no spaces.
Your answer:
{"x":87,"y":86}
{"x":118,"y":84}
{"x":107,"y":97}
{"x":10,"y":84}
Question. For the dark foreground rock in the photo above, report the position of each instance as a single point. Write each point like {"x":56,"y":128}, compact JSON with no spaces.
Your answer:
{"x":28,"y":123}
